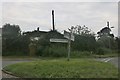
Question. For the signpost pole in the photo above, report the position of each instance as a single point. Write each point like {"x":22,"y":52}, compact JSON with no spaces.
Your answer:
{"x":69,"y":36}
{"x":69,"y":46}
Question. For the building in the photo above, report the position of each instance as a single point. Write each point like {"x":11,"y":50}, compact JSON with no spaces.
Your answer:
{"x":40,"y":35}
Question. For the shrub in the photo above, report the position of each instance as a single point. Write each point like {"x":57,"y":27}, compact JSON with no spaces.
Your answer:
{"x":81,"y":54}
{"x":55,"y":51}
{"x":102,"y":51}
{"x":14,"y":53}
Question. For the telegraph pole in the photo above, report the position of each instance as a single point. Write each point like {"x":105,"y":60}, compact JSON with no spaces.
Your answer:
{"x":53,"y":20}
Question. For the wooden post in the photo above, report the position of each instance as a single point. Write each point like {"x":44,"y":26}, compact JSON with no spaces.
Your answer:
{"x":32,"y":49}
{"x":69,"y":46}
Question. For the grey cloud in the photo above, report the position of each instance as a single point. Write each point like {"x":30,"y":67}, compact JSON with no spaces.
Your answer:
{"x":93,"y":14}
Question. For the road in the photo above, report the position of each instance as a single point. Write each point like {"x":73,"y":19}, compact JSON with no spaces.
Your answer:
{"x":8,"y":62}
{"x":113,"y":61}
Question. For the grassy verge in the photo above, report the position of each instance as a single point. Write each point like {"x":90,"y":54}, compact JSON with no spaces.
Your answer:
{"x":86,"y":54}
{"x":73,"y":55}
{"x":60,"y":68}
{"x":20,"y":57}
{"x":106,"y":55}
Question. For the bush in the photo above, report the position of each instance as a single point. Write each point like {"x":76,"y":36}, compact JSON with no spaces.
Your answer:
{"x":55,"y":51}
{"x":81,"y":54}
{"x":14,"y":53}
{"x":84,"y":43}
{"x":102,"y":51}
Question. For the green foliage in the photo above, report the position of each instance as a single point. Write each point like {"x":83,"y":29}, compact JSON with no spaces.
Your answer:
{"x":80,"y":30}
{"x":103,"y":50}
{"x":11,"y":31}
{"x":55,"y":51}
{"x":84,"y":43}
{"x":14,"y":53}
{"x":61,"y":68}
{"x":13,"y":42}
{"x":82,"y":54}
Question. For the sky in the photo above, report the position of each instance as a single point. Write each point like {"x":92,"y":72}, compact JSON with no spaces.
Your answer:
{"x":30,"y":15}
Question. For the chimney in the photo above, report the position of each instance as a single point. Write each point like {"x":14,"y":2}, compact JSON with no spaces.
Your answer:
{"x":108,"y":24}
{"x":53,"y":20}
{"x":37,"y":28}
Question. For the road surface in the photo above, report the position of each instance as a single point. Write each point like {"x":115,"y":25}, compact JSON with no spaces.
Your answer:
{"x":9,"y":62}
{"x":115,"y":61}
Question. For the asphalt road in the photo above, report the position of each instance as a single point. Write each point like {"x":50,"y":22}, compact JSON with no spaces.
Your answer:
{"x":8,"y":62}
{"x":113,"y":61}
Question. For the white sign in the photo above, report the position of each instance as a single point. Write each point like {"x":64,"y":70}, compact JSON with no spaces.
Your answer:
{"x":34,"y":38}
{"x":69,"y":36}
{"x":59,"y":40}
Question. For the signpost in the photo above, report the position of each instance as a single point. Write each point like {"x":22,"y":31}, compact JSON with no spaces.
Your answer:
{"x":69,"y":37}
{"x":59,"y":40}
{"x":34,"y":38}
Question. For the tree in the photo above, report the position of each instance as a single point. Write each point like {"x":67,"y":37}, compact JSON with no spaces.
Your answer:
{"x":80,"y":30}
{"x":84,"y":38}
{"x":11,"y":31}
{"x":11,"y":35}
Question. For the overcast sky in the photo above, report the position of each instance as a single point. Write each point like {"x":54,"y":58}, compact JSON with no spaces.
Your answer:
{"x":30,"y":15}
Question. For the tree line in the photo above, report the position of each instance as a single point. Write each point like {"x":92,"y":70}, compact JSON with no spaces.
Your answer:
{"x":14,"y":42}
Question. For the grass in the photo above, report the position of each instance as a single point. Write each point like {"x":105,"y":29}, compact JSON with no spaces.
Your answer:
{"x":20,"y":57}
{"x":73,"y":55}
{"x":106,"y":55}
{"x":61,"y":68}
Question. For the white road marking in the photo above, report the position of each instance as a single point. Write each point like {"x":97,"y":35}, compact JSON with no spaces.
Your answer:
{"x":107,"y":60}
{"x":103,"y":59}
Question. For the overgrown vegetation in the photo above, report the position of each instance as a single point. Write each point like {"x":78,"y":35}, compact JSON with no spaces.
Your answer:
{"x":17,"y":43}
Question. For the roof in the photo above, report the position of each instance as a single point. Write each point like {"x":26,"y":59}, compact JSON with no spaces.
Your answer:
{"x":35,"y":33}
{"x":105,"y":30}
{"x":55,"y":34}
